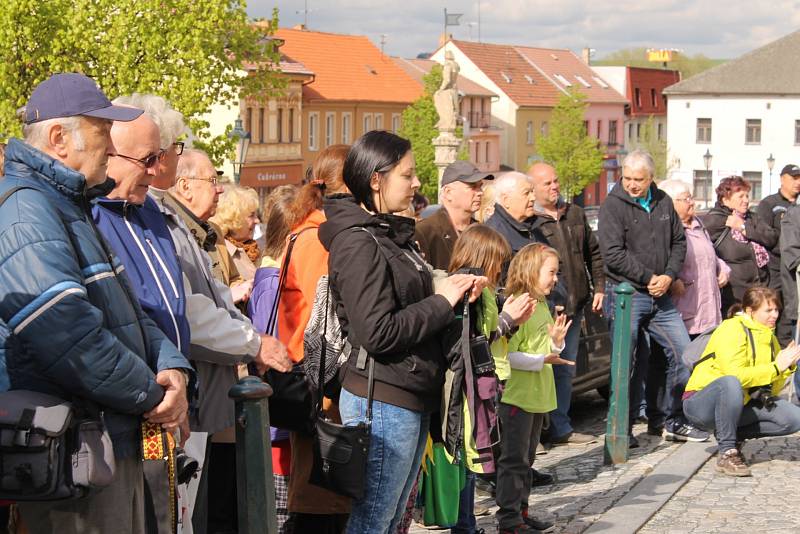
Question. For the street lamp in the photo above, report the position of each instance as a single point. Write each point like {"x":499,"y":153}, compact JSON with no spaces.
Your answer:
{"x":707,"y":161}
{"x":242,"y":145}
{"x":770,"y":165}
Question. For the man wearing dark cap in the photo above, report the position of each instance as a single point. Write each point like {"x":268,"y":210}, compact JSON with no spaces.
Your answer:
{"x":460,"y":198}
{"x":772,"y":209}
{"x":75,"y":327}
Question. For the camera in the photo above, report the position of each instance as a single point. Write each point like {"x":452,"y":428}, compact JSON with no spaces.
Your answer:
{"x":762,"y":397}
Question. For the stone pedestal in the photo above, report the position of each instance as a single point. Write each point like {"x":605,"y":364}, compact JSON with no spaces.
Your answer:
{"x":446,"y":147}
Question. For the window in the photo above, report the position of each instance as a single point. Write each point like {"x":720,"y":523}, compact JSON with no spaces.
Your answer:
{"x":752,"y":135}
{"x":248,"y":121}
{"x":261,"y":126}
{"x":653,"y":99}
{"x":313,"y":131}
{"x":330,"y":125}
{"x":379,"y":121}
{"x":639,"y":132}
{"x":543,"y":129}
{"x":280,"y":125}
{"x":703,"y":130}
{"x":395,"y":122}
{"x":346,"y":119}
{"x":529,"y":133}
{"x":290,"y":138}
{"x":367,"y":122}
{"x":797,"y":132}
{"x":477,"y":158}
{"x":702,"y":185}
{"x":754,"y":179}
{"x":630,"y":131}
{"x":486,"y":148}
{"x":586,"y":127}
{"x":583,"y":81}
{"x":637,"y":97}
{"x":612,"y":132}
{"x":563,"y":80}
{"x":599,"y":128}
{"x":660,"y":131}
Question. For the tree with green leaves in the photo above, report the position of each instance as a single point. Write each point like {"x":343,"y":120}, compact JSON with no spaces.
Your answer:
{"x":657,"y":148}
{"x":576,"y":156}
{"x":192,"y":53}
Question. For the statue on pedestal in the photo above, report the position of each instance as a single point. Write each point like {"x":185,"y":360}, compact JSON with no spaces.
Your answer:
{"x":446,"y":98}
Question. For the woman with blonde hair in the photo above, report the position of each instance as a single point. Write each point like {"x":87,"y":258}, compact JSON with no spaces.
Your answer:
{"x":237,"y":217}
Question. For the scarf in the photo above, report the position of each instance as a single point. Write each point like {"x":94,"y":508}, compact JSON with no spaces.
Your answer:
{"x":250,"y":248}
{"x":762,"y":256}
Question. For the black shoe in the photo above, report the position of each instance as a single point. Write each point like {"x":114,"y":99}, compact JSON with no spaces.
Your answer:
{"x":519,"y":529}
{"x":655,"y":430}
{"x":539,"y":479}
{"x":685,"y":432}
{"x":484,"y":487}
{"x":633,"y":443}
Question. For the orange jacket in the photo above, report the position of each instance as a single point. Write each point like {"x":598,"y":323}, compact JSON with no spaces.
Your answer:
{"x":309,"y":261}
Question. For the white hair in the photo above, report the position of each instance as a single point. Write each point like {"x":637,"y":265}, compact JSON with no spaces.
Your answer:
{"x":169,"y":121}
{"x":674,"y":188}
{"x":640,"y":159}
{"x":36,"y":133}
{"x":506,"y":183}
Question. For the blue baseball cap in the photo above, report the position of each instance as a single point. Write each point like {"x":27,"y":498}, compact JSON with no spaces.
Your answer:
{"x":69,"y":94}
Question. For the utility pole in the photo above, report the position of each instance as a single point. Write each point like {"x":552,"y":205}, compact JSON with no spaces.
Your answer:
{"x":305,"y":11}
{"x":479,"y":21}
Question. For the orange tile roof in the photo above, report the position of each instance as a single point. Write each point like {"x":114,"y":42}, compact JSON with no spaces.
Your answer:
{"x":347,"y":68}
{"x":520,"y":80}
{"x":565,"y":69}
{"x":418,"y":68}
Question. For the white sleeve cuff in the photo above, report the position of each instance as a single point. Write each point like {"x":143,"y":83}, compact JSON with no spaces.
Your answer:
{"x":524,"y":361}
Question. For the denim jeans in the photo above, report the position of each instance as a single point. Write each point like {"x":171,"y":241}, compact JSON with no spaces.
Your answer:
{"x":650,"y":382}
{"x":659,"y":318}
{"x":395,"y":452}
{"x":466,"y":508}
{"x":562,"y":374}
{"x":718,"y":408}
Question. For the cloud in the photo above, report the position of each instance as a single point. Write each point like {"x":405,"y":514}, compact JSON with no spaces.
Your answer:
{"x":413,"y":26}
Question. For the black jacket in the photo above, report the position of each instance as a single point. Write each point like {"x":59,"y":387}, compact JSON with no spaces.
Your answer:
{"x":740,"y":257}
{"x":386,"y":305}
{"x":572,"y":237}
{"x":636,"y":244}
{"x":771,"y":211}
{"x":790,"y":260}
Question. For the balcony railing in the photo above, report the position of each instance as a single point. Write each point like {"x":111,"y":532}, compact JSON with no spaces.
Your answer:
{"x":479,"y":120}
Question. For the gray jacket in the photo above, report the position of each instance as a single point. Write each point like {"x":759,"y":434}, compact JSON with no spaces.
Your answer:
{"x":221,"y":337}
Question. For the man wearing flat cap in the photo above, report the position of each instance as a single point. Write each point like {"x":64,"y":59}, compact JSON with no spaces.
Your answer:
{"x":75,"y":329}
{"x":460,"y":197}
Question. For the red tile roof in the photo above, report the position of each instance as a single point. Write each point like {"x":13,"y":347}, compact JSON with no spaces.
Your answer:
{"x":520,"y":80}
{"x":347,"y":68}
{"x":417,"y":68}
{"x":564,"y":69}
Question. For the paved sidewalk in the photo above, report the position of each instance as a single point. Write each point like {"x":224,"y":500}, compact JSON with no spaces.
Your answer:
{"x":584,"y":487}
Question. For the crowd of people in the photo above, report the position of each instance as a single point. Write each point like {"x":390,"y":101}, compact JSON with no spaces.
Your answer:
{"x":133,"y":278}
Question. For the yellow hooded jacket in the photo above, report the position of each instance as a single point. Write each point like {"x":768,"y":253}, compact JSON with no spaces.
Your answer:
{"x":733,"y":355}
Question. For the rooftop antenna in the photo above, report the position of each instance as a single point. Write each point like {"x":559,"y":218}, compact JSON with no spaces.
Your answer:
{"x":479,"y":21}
{"x":470,"y":25}
{"x":383,"y":41}
{"x":305,"y":11}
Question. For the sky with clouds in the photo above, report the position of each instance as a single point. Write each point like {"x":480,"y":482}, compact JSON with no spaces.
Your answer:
{"x":717,"y":29}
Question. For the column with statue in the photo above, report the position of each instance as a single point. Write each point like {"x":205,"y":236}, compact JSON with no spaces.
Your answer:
{"x":446,"y":144}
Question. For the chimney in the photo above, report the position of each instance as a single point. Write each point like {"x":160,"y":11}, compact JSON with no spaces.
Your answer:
{"x":586,"y":55}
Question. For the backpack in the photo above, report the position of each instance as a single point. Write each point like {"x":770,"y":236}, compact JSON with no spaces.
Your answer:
{"x":692,"y":355}
{"x":323,"y":322}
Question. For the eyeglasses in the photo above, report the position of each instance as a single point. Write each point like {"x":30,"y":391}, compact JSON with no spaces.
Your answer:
{"x":178,"y":149}
{"x":689,"y":199}
{"x":212,"y":181}
{"x":148,"y":162}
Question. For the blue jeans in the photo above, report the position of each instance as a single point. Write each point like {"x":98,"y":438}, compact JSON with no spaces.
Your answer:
{"x":562,"y":374}
{"x":718,"y":407}
{"x":466,"y":508}
{"x":659,"y":318}
{"x":395,"y":453}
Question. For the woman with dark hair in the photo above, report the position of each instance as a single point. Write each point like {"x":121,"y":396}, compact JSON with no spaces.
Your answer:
{"x":740,"y":238}
{"x":388,"y":307}
{"x":734,"y":385}
{"x":311,"y":508}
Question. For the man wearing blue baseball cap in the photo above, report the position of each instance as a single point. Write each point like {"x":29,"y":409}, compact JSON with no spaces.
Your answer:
{"x":75,"y":329}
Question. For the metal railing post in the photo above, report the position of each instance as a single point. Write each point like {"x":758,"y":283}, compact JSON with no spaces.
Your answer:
{"x":255,"y":489}
{"x":616,"y":443}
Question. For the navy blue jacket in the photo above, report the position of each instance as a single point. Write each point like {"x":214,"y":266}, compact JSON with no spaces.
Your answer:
{"x":139,"y":236}
{"x":75,"y":328}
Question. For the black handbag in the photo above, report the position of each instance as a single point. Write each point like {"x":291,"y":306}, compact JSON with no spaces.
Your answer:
{"x":290,"y":406}
{"x":340,"y":452}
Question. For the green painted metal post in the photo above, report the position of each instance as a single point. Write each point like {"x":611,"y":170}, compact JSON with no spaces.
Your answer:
{"x":616,"y":444}
{"x":255,"y":489}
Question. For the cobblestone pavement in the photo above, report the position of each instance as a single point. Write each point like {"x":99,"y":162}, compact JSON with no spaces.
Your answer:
{"x":584,"y":487}
{"x":713,"y":503}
